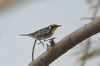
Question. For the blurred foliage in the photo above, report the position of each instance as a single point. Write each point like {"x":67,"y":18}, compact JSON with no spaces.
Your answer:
{"x":92,"y":54}
{"x":94,"y":5}
{"x":86,"y":50}
{"x":89,"y":1}
{"x":85,"y":57}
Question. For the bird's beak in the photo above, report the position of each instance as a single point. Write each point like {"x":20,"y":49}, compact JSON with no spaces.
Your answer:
{"x":59,"y":25}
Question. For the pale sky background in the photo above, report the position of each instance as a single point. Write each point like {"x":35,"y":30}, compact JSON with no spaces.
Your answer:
{"x":30,"y":16}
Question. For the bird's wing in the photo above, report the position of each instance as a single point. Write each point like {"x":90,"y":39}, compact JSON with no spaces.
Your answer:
{"x":44,"y":30}
{"x":41,"y":31}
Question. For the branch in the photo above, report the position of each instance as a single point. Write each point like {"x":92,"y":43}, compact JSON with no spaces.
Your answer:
{"x":67,"y":43}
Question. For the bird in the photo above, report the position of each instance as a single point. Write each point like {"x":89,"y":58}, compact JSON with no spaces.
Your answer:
{"x":42,"y":34}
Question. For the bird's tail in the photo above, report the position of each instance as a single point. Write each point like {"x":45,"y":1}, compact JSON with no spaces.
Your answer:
{"x":24,"y":34}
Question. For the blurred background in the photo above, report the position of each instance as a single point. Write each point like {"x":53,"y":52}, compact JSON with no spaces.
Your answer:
{"x":26,"y":16}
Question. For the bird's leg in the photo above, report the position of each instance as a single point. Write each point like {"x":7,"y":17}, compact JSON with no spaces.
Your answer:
{"x":33,"y":50}
{"x":41,"y":42}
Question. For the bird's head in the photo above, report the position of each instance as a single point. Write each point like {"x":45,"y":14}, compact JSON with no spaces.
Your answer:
{"x":54,"y":26}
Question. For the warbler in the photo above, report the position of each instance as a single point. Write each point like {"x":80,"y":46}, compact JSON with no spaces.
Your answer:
{"x":44,"y":33}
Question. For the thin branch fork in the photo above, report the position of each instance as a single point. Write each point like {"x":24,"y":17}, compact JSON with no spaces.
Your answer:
{"x":67,"y":43}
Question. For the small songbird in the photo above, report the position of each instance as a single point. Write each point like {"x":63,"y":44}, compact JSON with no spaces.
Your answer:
{"x":44,"y":33}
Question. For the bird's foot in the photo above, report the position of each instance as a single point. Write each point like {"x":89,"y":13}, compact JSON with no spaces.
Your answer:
{"x":52,"y":43}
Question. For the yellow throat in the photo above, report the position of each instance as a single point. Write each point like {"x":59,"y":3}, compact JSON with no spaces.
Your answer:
{"x":52,"y":32}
